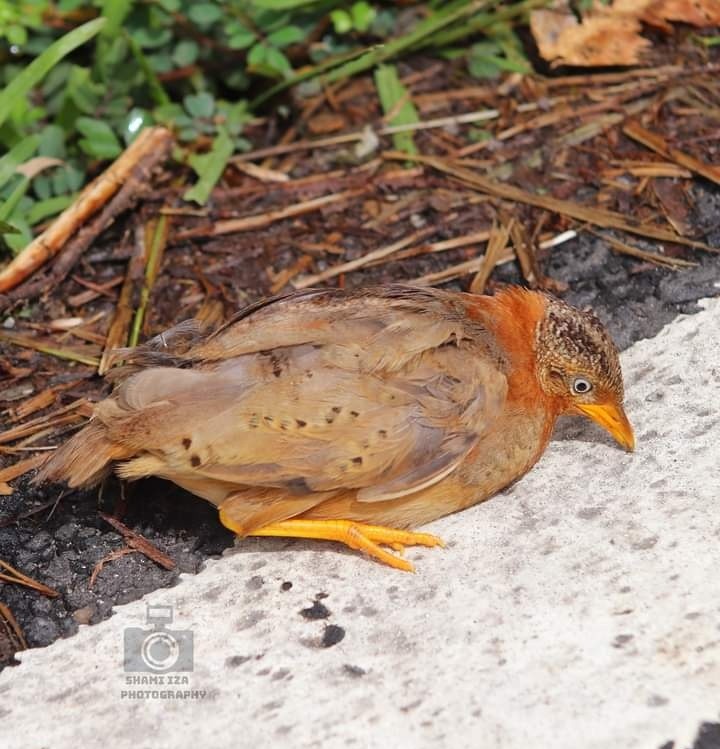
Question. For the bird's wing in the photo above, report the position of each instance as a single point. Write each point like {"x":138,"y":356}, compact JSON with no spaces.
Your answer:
{"x":384,"y":395}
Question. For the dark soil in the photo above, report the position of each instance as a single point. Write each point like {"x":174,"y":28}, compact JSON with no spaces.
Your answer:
{"x":60,"y":542}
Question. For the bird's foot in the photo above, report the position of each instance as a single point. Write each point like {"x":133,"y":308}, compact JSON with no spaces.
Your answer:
{"x":355,"y":535}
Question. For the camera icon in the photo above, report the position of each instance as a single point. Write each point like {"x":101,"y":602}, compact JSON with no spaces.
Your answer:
{"x":157,"y":649}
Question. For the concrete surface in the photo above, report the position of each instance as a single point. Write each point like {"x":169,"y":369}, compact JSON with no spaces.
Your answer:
{"x":579,"y":609}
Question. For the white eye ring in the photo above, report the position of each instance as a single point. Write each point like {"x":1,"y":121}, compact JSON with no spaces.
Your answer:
{"x":581,"y":386}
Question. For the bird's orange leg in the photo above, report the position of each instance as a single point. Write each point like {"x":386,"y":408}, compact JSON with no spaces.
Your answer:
{"x":355,"y":535}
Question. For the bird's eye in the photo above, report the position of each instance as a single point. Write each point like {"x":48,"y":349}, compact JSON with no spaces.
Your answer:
{"x":581,"y":386}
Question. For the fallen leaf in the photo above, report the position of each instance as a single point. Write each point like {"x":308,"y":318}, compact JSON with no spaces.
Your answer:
{"x":330,"y":122}
{"x":33,"y":167}
{"x":597,"y":41}
{"x":611,"y":34}
{"x":659,"y":13}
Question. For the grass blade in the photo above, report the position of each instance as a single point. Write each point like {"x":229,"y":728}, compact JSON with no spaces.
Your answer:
{"x":209,"y":168}
{"x":20,"y":86}
{"x":17,"y":155}
{"x":397,"y":104}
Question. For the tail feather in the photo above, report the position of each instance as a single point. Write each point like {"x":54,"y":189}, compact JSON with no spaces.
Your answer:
{"x":84,"y":460}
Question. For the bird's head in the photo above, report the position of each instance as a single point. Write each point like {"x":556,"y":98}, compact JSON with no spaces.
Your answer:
{"x":579,"y":367}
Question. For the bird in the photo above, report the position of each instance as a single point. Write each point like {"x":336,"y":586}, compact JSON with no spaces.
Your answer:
{"x":353,"y":416}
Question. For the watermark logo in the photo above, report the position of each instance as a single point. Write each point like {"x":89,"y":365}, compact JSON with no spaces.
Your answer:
{"x":158,"y":660}
{"x":156,"y":648}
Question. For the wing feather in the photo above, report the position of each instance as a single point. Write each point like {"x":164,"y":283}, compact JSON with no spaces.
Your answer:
{"x":317,"y":394}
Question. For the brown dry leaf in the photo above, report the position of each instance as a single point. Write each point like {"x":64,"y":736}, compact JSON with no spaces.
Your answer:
{"x":329,"y":122}
{"x":610,"y":35}
{"x":33,"y":167}
{"x":700,"y":13}
{"x":597,"y":41}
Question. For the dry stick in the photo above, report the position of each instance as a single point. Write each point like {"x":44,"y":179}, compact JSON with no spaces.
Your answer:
{"x":652,"y":257}
{"x":657,"y":143}
{"x":35,"y":425}
{"x":155,"y":239}
{"x":149,"y":148}
{"x":595,"y":216}
{"x":111,"y":557}
{"x":525,"y":252}
{"x":22,"y":467}
{"x":442,"y":246}
{"x":369,"y":261}
{"x":381,"y":252}
{"x":261,"y":220}
{"x":343,"y":138}
{"x":504,"y":255}
{"x":564,"y":112}
{"x":647,"y":169}
{"x":24,"y":431}
{"x":49,"y":347}
{"x":496,"y":244}
{"x":140,"y":543}
{"x":461,"y":269}
{"x":15,"y":576}
{"x":11,"y":635}
{"x":117,"y":335}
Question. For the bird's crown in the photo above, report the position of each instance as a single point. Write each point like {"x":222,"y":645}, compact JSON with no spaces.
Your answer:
{"x":573,"y":341}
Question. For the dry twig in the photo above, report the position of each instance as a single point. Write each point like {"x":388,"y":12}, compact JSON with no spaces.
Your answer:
{"x":11,"y":575}
{"x":657,"y":143}
{"x":140,"y":543}
{"x":588,"y":214}
{"x":130,"y":171}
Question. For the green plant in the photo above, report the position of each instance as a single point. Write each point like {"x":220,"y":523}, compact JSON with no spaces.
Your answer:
{"x":82,"y":77}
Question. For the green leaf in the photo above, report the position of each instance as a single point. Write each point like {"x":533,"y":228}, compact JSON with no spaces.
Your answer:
{"x":286,"y":36}
{"x":16,"y":34}
{"x":148,"y":69}
{"x":52,"y":142}
{"x":20,"y":86}
{"x":55,"y":79}
{"x":134,"y":122}
{"x":209,"y":168}
{"x":100,"y":140}
{"x":342,"y":21}
{"x":277,"y":61}
{"x":282,"y":4}
{"x":204,"y":14}
{"x":239,"y":36}
{"x":483,"y":66}
{"x":167,"y":114}
{"x":395,"y":99}
{"x":17,"y":155}
{"x":233,"y":116}
{"x":42,"y":187}
{"x":8,"y":207}
{"x":149,"y":38}
{"x":75,"y":177}
{"x":115,"y":11}
{"x":6,"y":228}
{"x":200,"y":105}
{"x":256,"y":56}
{"x":18,"y":241}
{"x":82,"y":91}
{"x":49,"y":207}
{"x":185,"y":52}
{"x":363,"y":14}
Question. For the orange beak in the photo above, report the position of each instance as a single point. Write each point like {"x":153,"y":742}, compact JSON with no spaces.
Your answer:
{"x":612,"y":418}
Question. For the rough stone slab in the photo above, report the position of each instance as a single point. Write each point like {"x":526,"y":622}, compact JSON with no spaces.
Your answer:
{"x":581,"y":608}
